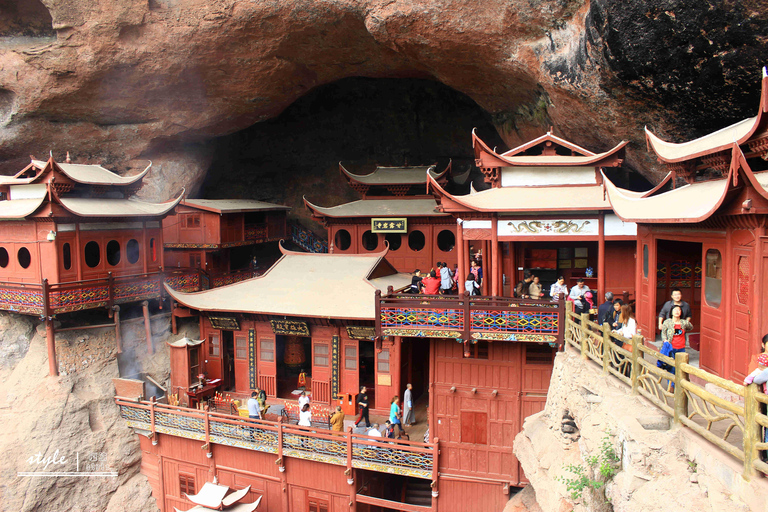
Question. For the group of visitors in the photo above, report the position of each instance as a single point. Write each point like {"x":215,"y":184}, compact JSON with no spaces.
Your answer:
{"x":397,"y":416}
{"x":442,"y":280}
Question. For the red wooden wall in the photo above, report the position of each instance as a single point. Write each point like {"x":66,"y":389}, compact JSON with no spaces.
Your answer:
{"x":476,"y":428}
{"x":404,"y":259}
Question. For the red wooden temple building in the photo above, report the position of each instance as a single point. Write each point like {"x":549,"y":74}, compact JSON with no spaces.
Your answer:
{"x":220,"y":236}
{"x":72,"y":239}
{"x":708,"y":237}
{"x":396,"y":209}
{"x":546,"y":212}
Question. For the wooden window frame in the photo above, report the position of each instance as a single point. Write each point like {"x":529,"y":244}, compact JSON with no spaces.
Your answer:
{"x":480,"y":350}
{"x":326,"y":355}
{"x":271,"y":350}
{"x":347,"y":358}
{"x":186,"y":484}
{"x":244,"y":348}
{"x":383,"y":360}
{"x":214,"y":348}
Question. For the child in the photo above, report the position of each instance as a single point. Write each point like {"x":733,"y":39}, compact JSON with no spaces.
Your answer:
{"x":762,"y":365}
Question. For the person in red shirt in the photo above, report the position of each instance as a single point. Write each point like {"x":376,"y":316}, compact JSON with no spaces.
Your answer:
{"x":673,"y":330}
{"x":431,"y":284}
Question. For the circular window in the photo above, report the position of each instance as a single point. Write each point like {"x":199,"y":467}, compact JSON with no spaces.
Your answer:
{"x":446,"y":240}
{"x":416,"y":240}
{"x":3,"y":257}
{"x":395,"y":241}
{"x":342,"y":240}
{"x":92,"y":254}
{"x":132,"y":251}
{"x":113,"y":252}
{"x":25,"y":259}
{"x":370,"y":240}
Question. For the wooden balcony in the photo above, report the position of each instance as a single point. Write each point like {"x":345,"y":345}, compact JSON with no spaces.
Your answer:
{"x":354,"y":451}
{"x":470,"y":318}
{"x":51,"y":299}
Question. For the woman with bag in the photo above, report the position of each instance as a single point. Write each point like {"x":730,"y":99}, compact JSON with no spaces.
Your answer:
{"x":673,"y":332}
{"x":627,"y":330}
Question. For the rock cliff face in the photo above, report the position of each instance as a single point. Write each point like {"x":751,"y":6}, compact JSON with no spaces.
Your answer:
{"x":127,"y":80}
{"x":71,"y":422}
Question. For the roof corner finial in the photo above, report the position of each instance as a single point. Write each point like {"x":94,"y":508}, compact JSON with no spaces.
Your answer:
{"x":551,"y":129}
{"x":68,"y":160}
{"x":765,"y":73}
{"x":50,"y":153}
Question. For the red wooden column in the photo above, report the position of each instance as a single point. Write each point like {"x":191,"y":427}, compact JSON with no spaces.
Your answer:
{"x":50,"y":333}
{"x":463,"y":268}
{"x":497,"y":266}
{"x":600,"y":259}
{"x":487,"y":273}
{"x":147,"y":326}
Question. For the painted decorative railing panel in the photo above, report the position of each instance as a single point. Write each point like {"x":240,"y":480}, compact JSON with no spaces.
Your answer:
{"x":736,"y":426}
{"x":306,"y":239}
{"x":232,"y":277}
{"x":470,"y":318}
{"x":22,"y":298}
{"x":406,"y":458}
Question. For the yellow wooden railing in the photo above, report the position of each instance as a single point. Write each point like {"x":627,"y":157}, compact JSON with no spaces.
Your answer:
{"x":734,"y":426}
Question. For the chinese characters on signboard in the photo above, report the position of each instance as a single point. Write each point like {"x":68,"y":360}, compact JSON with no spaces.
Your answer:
{"x":389,"y":225}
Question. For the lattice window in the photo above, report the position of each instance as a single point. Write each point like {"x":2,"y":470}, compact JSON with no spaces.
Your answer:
{"x":214,"y":345}
{"x":316,"y":505}
{"x":742,"y":290}
{"x":186,"y":484}
{"x":268,"y":350}
{"x":350,"y":358}
{"x":194,"y":364}
{"x":241,"y":347}
{"x":190,"y":221}
{"x":538,"y":354}
{"x":383,"y":365}
{"x":321,"y":354}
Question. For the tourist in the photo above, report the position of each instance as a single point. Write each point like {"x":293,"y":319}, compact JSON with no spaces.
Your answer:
{"x":408,"y":415}
{"x":762,"y":366}
{"x":627,"y":321}
{"x":604,"y":310}
{"x":557,"y":288}
{"x":337,"y":420}
{"x":303,"y":399}
{"x":389,"y":430}
{"x":577,"y":296}
{"x":394,"y":413}
{"x":673,"y":331}
{"x":416,"y":284}
{"x":262,"y":399}
{"x":677,"y":300}
{"x":477,"y":270}
{"x":612,"y":317}
{"x":471,"y":285}
{"x":431,"y":284}
{"x":305,"y":416}
{"x":535,"y":290}
{"x":522,"y":288}
{"x":254,"y":411}
{"x":301,"y":383}
{"x":426,"y":435}
{"x":362,"y":407}
{"x":374,"y":431}
{"x":763,"y":350}
{"x":446,"y":281}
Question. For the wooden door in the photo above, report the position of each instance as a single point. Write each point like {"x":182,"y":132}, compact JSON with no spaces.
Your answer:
{"x":321,"y":370}
{"x":242,"y":370}
{"x":350,"y":367}
{"x":713,"y":309}
{"x":267,"y":365}
{"x":646,"y":284}
{"x":741,"y":311}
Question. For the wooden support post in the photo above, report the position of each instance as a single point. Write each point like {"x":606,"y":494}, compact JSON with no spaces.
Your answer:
{"x":110,"y":290}
{"x":637,"y":341}
{"x":606,"y":347}
{"x":463,"y":269}
{"x":751,"y":434}
{"x":152,"y":420}
{"x":207,"y":414}
{"x":50,"y":338}
{"x":681,"y":400}
{"x":118,"y":337}
{"x":147,"y":326}
{"x":600,"y":258}
{"x":50,"y":333}
{"x":174,"y":327}
{"x":584,"y":335}
{"x":467,"y":316}
{"x":488,"y":272}
{"x":495,"y":259}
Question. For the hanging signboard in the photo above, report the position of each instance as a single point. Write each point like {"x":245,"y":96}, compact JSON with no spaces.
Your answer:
{"x":361,"y":333}
{"x":290,"y":327}
{"x":227,"y":323}
{"x":399,"y":225}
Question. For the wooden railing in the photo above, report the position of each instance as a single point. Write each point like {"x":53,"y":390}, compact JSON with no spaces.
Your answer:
{"x":306,"y":239}
{"x":51,"y":299}
{"x":733,"y":426}
{"x":356,"y":451}
{"x":470,"y":318}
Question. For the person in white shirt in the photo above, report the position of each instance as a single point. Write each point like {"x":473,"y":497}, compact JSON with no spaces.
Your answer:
{"x":558,"y":287}
{"x":374,"y":431}
{"x":253,"y":407}
{"x":305,"y":416}
{"x":303,"y":400}
{"x":627,"y":321}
